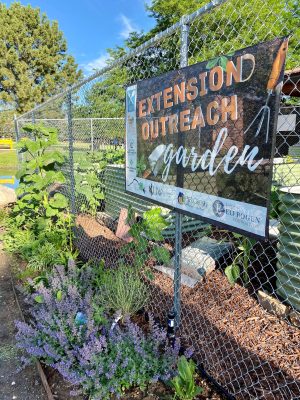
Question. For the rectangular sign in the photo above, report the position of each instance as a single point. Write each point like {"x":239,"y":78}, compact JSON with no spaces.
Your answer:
{"x":200,"y":139}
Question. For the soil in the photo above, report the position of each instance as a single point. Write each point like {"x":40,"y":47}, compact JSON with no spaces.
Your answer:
{"x":156,"y":391}
{"x":15,"y":383}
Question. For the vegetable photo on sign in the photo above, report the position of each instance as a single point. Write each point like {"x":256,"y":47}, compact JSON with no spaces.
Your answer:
{"x":200,"y":139}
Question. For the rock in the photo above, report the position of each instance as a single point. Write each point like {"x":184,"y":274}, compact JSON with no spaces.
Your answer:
{"x":200,"y":258}
{"x":272,"y":305}
{"x":185,"y":280}
{"x":7,"y":196}
{"x":274,"y":228}
{"x":295,"y":318}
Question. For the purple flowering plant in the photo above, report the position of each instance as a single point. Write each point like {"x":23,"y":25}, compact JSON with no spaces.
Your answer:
{"x":97,"y":359}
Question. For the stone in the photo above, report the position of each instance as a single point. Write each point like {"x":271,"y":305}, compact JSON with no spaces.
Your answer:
{"x":185,"y":280}
{"x":274,"y":228}
{"x":200,"y":258}
{"x":272,"y":305}
{"x":295,"y":318}
{"x":7,"y":196}
{"x":123,"y":228}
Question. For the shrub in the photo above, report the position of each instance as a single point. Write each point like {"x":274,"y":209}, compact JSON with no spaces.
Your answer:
{"x":122,"y":290}
{"x":89,"y":182}
{"x":40,"y":225}
{"x":149,"y":227}
{"x":37,"y":173}
{"x":95,"y":358}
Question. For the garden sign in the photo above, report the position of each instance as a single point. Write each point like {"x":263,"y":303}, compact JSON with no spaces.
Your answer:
{"x":201,"y":139}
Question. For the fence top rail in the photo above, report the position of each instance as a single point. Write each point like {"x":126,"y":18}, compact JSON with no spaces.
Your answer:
{"x":73,"y":119}
{"x":187,"y":19}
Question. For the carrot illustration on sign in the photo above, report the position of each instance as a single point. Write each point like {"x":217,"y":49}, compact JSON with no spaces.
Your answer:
{"x":264,"y":112}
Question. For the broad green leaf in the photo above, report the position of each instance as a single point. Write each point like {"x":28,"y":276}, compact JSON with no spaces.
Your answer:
{"x":39,"y":299}
{"x":233,"y":273}
{"x":212,"y":63}
{"x":100,"y":196}
{"x":59,"y":295}
{"x":51,"y":212}
{"x":223,"y":62}
{"x":52,"y":157}
{"x":58,"y":201}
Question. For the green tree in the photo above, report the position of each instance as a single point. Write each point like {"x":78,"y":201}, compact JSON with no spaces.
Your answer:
{"x":34,"y":63}
{"x":105,"y":98}
{"x":231,"y":26}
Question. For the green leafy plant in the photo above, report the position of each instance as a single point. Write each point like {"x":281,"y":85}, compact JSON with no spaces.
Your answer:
{"x":37,"y":174}
{"x":44,"y":256}
{"x":122,"y":290}
{"x":89,"y":180}
{"x":3,"y":217}
{"x":40,"y":225}
{"x":145,"y":229}
{"x":240,"y":265}
{"x":184,"y":384}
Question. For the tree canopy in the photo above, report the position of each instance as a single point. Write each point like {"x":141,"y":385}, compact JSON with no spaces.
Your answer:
{"x":229,"y":27}
{"x":34,"y":63}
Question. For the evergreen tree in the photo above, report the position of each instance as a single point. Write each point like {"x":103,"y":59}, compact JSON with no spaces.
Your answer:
{"x":34,"y":63}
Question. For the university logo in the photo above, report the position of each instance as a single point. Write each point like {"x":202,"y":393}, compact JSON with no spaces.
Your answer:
{"x":218,"y":208}
{"x":180,"y":198}
{"x":131,"y":100}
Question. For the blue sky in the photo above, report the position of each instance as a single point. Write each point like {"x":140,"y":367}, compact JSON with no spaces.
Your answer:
{"x":91,"y":26}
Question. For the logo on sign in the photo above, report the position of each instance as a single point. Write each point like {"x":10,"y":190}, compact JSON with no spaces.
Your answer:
{"x":180,"y":198}
{"x":218,"y":208}
{"x":131,"y":100}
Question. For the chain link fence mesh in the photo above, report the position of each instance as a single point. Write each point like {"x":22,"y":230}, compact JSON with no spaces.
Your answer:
{"x":246,"y":335}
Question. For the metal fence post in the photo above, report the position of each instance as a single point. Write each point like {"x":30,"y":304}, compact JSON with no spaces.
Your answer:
{"x":184,"y":34}
{"x":16,"y":128}
{"x":33,"y":121}
{"x":92,"y":136}
{"x":17,"y":133}
{"x":71,"y":151}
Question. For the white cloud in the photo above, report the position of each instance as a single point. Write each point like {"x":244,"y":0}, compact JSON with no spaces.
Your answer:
{"x":128,"y":26}
{"x":96,"y":64}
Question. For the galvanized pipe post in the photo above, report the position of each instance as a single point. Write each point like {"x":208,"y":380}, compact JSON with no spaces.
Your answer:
{"x":17,"y":133}
{"x":92,"y":136}
{"x":71,"y":151}
{"x":184,"y":35}
{"x":33,"y":121}
{"x":16,"y":128}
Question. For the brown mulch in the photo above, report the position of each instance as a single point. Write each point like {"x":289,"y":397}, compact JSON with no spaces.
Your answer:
{"x":249,"y":351}
{"x":96,"y":242}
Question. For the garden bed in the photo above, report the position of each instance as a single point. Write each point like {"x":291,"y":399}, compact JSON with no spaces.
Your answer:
{"x":61,"y":389}
{"x":260,"y":353}
{"x":246,"y":349}
{"x":156,"y":391}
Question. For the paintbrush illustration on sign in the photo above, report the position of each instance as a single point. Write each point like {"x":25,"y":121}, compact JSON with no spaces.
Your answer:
{"x":200,"y":139}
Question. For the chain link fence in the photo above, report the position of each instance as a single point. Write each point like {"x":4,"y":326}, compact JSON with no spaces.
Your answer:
{"x":245,"y":335}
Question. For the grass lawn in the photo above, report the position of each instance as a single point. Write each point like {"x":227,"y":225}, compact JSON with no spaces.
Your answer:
{"x":8,"y":159}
